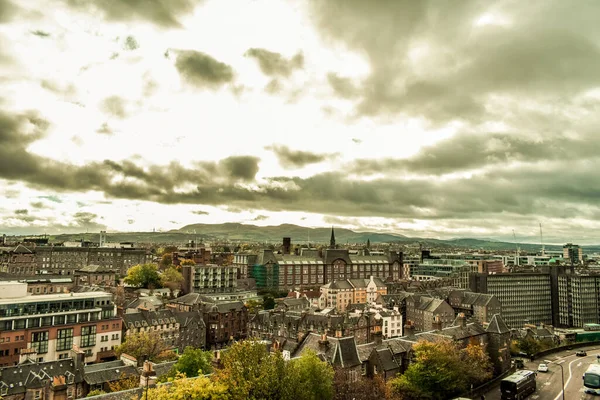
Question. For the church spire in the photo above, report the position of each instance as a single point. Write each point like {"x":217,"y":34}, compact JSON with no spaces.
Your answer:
{"x":332,"y":240}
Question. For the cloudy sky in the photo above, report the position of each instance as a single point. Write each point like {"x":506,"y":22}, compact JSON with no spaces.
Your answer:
{"x":425,"y":118}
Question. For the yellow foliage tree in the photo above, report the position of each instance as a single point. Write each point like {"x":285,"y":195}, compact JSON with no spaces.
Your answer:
{"x":182,"y":388}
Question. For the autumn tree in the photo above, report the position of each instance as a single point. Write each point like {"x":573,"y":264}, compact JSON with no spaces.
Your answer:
{"x":348,"y":387}
{"x":182,"y":388}
{"x":192,"y":362}
{"x":172,"y":279}
{"x":308,"y":378}
{"x":125,"y":382}
{"x":251,"y":372}
{"x":529,"y":345}
{"x":166,"y":260}
{"x":442,"y":370}
{"x":143,"y":275}
{"x":145,"y":345}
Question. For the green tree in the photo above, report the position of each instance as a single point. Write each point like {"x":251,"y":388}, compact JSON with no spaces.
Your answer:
{"x":441,"y":370}
{"x":125,"y":382}
{"x":529,"y":345}
{"x":96,"y":392}
{"x":253,"y":306}
{"x":143,"y":275}
{"x":251,"y":372}
{"x":192,"y":362}
{"x":308,"y":378}
{"x":200,"y":388}
{"x":172,"y":279}
{"x":166,"y":260}
{"x":144,"y":345}
{"x":268,"y":302}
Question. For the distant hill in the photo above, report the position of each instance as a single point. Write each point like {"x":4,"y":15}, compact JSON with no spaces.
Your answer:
{"x":237,"y":232}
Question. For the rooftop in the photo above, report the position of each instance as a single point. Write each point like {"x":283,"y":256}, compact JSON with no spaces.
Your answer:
{"x":53,"y":297}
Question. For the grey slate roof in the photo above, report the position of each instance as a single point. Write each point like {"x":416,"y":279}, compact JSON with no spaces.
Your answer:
{"x":387,"y":359}
{"x":497,"y":325}
{"x":149,"y":318}
{"x":339,"y":352}
{"x":108,"y":372}
{"x":17,"y":379}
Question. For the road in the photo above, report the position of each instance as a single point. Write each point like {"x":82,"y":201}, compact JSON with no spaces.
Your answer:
{"x":549,"y":384}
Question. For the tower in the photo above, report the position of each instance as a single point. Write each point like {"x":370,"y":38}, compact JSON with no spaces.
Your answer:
{"x":332,"y":240}
{"x":102,"y":240}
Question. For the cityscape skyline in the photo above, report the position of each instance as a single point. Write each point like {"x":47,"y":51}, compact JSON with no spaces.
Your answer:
{"x":402,"y":117}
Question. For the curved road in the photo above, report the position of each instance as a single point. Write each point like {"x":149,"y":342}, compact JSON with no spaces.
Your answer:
{"x":549,"y":385}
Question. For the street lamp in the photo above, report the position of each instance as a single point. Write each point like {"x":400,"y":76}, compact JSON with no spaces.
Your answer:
{"x":562,"y":375}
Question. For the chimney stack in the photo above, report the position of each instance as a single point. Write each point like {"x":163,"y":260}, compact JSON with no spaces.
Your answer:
{"x":323,"y":342}
{"x":461,"y":320}
{"x":409,"y":329}
{"x":148,"y":376}
{"x":27,"y":354}
{"x":377,"y":337}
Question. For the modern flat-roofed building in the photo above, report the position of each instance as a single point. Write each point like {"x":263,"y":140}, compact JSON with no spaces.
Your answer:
{"x":50,"y":325}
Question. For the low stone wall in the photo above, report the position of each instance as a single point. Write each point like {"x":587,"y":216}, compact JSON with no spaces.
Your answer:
{"x":578,"y":345}
{"x":486,"y":387}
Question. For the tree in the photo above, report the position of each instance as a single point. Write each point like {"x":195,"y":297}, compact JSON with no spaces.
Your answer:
{"x":125,"y":382}
{"x":166,"y":260}
{"x":361,"y":388}
{"x":144,"y":345}
{"x":172,"y":279}
{"x":95,"y":392}
{"x":268,"y":302}
{"x":529,"y":345}
{"x":192,"y":362}
{"x":251,"y":372}
{"x":182,"y":388}
{"x":253,"y":306}
{"x":187,"y":261}
{"x":442,"y":370}
{"x":143,"y":275}
{"x":308,"y":378}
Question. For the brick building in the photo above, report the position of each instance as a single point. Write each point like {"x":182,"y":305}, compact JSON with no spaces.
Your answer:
{"x":52,"y":324}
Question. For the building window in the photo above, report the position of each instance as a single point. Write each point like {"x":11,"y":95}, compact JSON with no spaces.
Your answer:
{"x":39,"y":342}
{"x":65,"y":339}
{"x":88,"y":336}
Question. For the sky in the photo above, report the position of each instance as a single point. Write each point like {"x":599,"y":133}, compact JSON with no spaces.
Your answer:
{"x":422,"y":118}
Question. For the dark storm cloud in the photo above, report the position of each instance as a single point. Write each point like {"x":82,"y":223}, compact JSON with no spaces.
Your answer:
{"x":200,"y":212}
{"x":202,"y":70}
{"x":484,"y":150}
{"x":165,"y":13}
{"x":115,"y":106}
{"x":40,"y":33}
{"x":274,"y":64}
{"x":37,"y":204}
{"x":260,"y":218}
{"x":289,"y":158}
{"x":22,"y":212}
{"x":548,"y":49}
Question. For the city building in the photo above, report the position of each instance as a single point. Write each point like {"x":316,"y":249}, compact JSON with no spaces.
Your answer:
{"x":46,"y":380}
{"x":177,"y":329}
{"x":526,"y":298}
{"x":423,"y":311}
{"x":19,"y":260}
{"x":225,"y":321}
{"x":66,"y":260}
{"x":48,"y":284}
{"x":209,"y":278}
{"x":579,"y":299}
{"x":96,"y":275}
{"x":339,"y":294}
{"x":573,"y":254}
{"x":312,"y":269}
{"x":457,"y":270}
{"x":50,"y":325}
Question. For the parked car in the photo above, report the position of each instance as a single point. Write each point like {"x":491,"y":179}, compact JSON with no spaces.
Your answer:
{"x":519,"y":364}
{"x":581,"y":353}
{"x":542,"y":368}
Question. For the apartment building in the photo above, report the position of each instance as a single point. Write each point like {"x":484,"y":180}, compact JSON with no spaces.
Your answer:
{"x":424,"y":312}
{"x":18,"y":260}
{"x":339,"y":294}
{"x":209,"y":278}
{"x":572,"y":253}
{"x":51,"y":325}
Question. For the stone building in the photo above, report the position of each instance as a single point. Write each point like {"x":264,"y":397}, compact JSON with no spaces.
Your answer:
{"x":225,"y":321}
{"x":422,"y":311}
{"x":18,"y":260}
{"x":339,"y":294}
{"x":177,"y":330}
{"x":50,"y":380}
